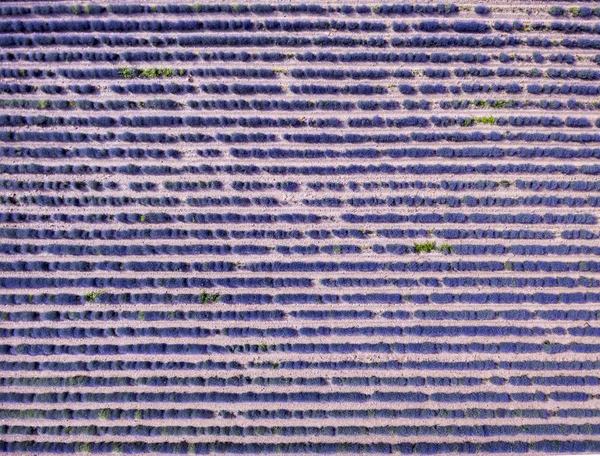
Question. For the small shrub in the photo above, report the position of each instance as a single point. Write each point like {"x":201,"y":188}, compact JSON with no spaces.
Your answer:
{"x":127,"y":73}
{"x":482,"y":10}
{"x":93,"y":295}
{"x":157,"y":73}
{"x":206,"y":298}
{"x":486,"y":120}
{"x":424,"y":247}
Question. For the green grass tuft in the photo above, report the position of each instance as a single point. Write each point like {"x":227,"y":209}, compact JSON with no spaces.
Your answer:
{"x":206,"y":298}
{"x":93,"y":295}
{"x":425,"y":247}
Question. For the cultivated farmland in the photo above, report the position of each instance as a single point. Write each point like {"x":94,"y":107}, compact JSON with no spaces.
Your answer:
{"x":291,"y":228}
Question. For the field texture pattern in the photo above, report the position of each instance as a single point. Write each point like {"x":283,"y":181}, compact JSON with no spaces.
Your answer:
{"x":317,"y":228}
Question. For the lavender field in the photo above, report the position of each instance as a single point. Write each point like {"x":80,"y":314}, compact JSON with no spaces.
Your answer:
{"x":299,"y":228}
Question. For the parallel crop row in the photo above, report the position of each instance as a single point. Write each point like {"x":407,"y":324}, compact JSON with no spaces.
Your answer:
{"x":278,"y":315}
{"x":299,"y":228}
{"x":504,"y":298}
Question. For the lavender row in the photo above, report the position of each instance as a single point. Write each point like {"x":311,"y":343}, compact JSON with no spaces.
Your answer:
{"x":19,"y":217}
{"x":289,"y":431}
{"x":323,"y":138}
{"x":477,"y":413}
{"x":410,"y":201}
{"x":270,"y":105}
{"x":413,"y":152}
{"x":301,"y":266}
{"x":91,"y":152}
{"x":301,"y":298}
{"x":193,"y":282}
{"x":301,"y":249}
{"x":254,"y":8}
{"x":113,"y":414}
{"x":252,"y":397}
{"x":237,"y":381}
{"x":120,"y":201}
{"x":344,"y":365}
{"x":261,"y":40}
{"x":245,"y":56}
{"x":225,"y":201}
{"x":289,"y":122}
{"x":291,"y":186}
{"x":418,"y":447}
{"x":280,"y":315}
{"x":177,"y":315}
{"x":350,"y":169}
{"x":82,"y":333}
{"x":279,"y":25}
{"x":343,"y":233}
{"x":274,"y":25}
{"x":450,"y":282}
